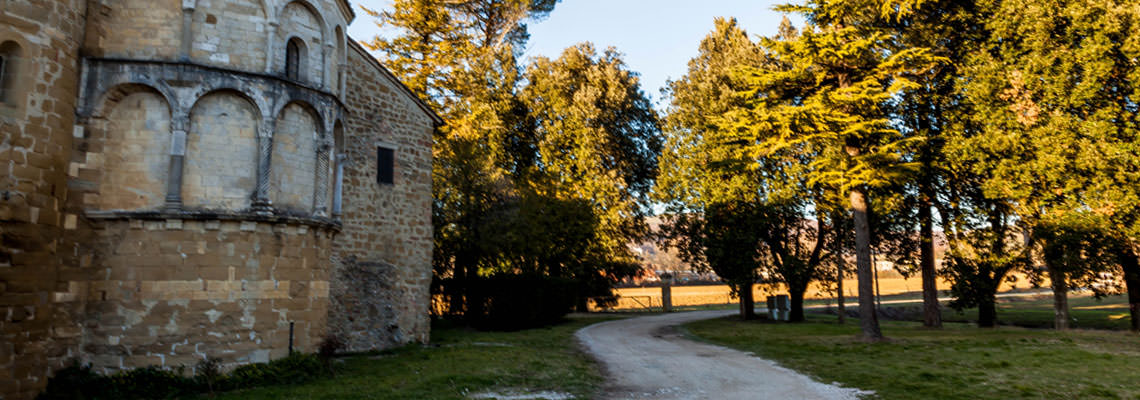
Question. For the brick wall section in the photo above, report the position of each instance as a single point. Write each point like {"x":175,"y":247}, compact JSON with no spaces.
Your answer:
{"x":386,"y":237}
{"x":143,"y":287}
{"x":133,"y":166}
{"x":221,"y":153}
{"x":291,"y":182}
{"x":139,"y":29}
{"x":230,"y":33}
{"x":173,"y":292}
{"x":36,"y":138}
{"x":298,"y":21}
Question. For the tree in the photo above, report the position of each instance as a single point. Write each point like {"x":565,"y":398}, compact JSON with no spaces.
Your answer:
{"x":598,"y":139}
{"x":983,"y":252}
{"x":830,"y":103}
{"x":950,"y":29}
{"x":689,"y":185}
{"x":723,"y":240}
{"x":1054,"y":88}
{"x":524,"y":150}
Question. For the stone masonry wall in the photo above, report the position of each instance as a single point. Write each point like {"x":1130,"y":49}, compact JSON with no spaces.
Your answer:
{"x":172,"y":292}
{"x":98,"y":264}
{"x":230,"y":33}
{"x":35,"y":137}
{"x":294,"y":160}
{"x":386,"y":239}
{"x":139,"y":29}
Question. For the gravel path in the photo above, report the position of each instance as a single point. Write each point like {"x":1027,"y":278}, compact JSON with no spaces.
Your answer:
{"x":645,"y":358}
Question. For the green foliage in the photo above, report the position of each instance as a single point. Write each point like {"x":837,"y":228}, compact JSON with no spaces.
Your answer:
{"x":598,"y":138}
{"x":81,"y":382}
{"x":509,"y":302}
{"x":542,"y":169}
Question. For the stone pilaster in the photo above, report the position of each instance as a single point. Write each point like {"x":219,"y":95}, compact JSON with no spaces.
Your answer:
{"x":338,"y":185}
{"x":270,"y":38}
{"x":179,"y":126}
{"x":261,"y":203}
{"x":187,"y":29}
{"x":320,"y":199}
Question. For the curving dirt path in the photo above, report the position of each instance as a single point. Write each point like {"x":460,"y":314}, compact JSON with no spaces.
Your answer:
{"x":645,"y":358}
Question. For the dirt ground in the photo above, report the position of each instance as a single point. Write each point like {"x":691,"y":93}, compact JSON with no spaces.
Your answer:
{"x":646,"y":358}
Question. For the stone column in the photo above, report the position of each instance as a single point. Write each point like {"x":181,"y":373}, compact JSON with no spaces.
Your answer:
{"x":187,"y":29}
{"x":179,"y":126}
{"x":326,"y":71}
{"x":341,"y":70}
{"x":337,"y":186}
{"x":320,"y":198}
{"x":261,"y":203}
{"x":270,"y":39}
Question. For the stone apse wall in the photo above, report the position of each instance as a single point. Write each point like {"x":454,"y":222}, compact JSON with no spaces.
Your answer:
{"x":174,"y":196}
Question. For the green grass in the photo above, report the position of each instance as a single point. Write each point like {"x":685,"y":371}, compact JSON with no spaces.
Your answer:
{"x":458,"y":362}
{"x":957,"y":362}
{"x":1037,"y":312}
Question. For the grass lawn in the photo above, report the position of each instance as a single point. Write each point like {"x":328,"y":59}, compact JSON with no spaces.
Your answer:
{"x":1037,"y":312}
{"x":957,"y":362}
{"x":458,"y":362}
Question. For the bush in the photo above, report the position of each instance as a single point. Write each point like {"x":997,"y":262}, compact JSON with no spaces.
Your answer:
{"x":82,"y":383}
{"x":513,"y":302}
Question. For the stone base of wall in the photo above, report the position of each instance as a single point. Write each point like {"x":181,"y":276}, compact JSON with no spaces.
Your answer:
{"x":172,"y":292}
{"x":363,"y":307}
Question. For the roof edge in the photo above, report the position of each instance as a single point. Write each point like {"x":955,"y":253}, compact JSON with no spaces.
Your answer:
{"x":427,"y":109}
{"x":346,"y":9}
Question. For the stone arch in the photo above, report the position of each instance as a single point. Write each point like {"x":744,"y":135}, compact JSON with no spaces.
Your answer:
{"x":312,"y":7}
{"x":129,"y":144}
{"x":299,"y":18}
{"x":238,"y":88}
{"x":231,"y":33}
{"x":221,"y":152}
{"x":296,"y":59}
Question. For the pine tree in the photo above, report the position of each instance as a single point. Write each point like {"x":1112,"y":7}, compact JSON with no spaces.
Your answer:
{"x":830,"y":103}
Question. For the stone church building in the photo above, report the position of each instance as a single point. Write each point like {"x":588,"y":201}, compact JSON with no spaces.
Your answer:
{"x":203,"y":178}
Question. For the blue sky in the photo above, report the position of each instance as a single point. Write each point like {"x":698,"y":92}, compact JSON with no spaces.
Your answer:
{"x":657,"y":37}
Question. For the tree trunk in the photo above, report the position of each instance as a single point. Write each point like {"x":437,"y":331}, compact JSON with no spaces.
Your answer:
{"x":931,"y":312}
{"x":1131,"y":266}
{"x":987,"y":312}
{"x":747,"y":303}
{"x":868,"y":319}
{"x":1060,"y":294}
{"x":839,"y":306}
{"x":796,"y":295}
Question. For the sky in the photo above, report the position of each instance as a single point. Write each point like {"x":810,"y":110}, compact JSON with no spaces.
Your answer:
{"x":657,"y":37}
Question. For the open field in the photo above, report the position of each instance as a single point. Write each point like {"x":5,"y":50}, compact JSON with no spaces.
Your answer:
{"x":959,"y":361}
{"x":458,"y":364}
{"x":889,"y":284}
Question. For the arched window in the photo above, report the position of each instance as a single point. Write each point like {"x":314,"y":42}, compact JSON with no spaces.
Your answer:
{"x":9,"y":64}
{"x":294,"y":59}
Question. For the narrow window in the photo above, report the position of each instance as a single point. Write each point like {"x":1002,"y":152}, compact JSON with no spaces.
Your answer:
{"x":293,"y":59}
{"x":385,"y":165}
{"x":3,"y":77}
{"x":9,"y":56}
